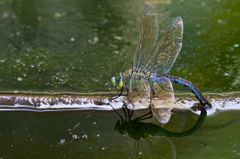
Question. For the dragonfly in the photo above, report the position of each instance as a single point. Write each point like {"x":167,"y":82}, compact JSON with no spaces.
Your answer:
{"x":146,"y":83}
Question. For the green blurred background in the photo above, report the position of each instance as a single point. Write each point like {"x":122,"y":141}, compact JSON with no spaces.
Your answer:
{"x":77,"y":46}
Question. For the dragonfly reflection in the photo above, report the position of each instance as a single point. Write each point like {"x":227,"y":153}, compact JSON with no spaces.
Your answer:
{"x":155,"y":136}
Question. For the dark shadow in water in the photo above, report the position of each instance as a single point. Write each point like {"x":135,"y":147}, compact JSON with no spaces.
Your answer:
{"x":137,"y":129}
{"x":154,"y":135}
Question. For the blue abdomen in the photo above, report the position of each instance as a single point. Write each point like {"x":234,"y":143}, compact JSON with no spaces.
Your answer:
{"x":156,"y":78}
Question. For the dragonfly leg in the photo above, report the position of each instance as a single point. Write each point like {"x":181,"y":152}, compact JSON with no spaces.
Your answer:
{"x":123,"y":109}
{"x":121,"y":91}
{"x":206,"y":104}
{"x":131,"y":114}
{"x":118,"y":94}
{"x":150,"y":110}
{"x":143,"y":117}
{"x":116,"y":111}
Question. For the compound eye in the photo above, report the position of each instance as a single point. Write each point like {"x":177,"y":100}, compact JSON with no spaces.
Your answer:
{"x":113,"y":81}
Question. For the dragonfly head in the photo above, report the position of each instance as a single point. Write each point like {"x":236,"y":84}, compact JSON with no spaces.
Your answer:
{"x":117,"y":81}
{"x":121,"y":127}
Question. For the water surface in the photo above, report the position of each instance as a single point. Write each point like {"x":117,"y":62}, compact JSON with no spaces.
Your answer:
{"x":75,"y":47}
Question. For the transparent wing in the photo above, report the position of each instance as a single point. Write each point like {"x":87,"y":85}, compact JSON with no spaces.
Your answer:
{"x":139,"y":94}
{"x":155,"y":147}
{"x":168,"y":48}
{"x":162,"y":148}
{"x":148,"y":37}
{"x":163,"y":95}
{"x":162,"y":99}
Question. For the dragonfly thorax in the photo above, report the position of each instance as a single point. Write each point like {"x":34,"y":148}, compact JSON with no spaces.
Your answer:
{"x":136,"y":74}
{"x":123,"y":80}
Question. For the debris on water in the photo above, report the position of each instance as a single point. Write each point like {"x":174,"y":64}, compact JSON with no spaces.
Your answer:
{"x":226,"y":74}
{"x":59,"y":15}
{"x":18,"y":60}
{"x":113,"y":46}
{"x":236,"y":45}
{"x":84,"y":136}
{"x":19,"y":79}
{"x":116,"y":52}
{"x":62,"y":141}
{"x":72,"y":39}
{"x":118,"y":37}
{"x":76,"y":125}
{"x":74,"y":136}
{"x":5,"y":14}
{"x":95,"y":40}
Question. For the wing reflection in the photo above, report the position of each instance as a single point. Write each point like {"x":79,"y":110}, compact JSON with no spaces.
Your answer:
{"x":153,"y":136}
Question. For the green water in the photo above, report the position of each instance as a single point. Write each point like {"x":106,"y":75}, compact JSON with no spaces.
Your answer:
{"x":77,"y":46}
{"x":91,"y":135}
{"x":74,"y":46}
